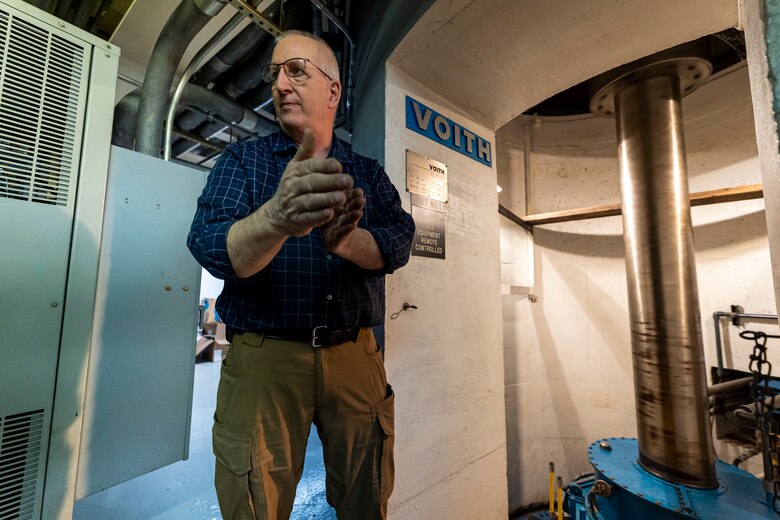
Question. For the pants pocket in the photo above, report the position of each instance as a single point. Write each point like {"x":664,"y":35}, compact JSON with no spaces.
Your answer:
{"x":233,"y":450}
{"x":384,"y":463}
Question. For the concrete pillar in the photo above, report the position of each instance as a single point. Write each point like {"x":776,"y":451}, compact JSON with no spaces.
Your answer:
{"x":760,"y":19}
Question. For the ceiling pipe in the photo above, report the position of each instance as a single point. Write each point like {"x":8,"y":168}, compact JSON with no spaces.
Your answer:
{"x":248,"y":76}
{"x":87,"y":8}
{"x":674,"y":437}
{"x":189,"y":17}
{"x":63,"y":7}
{"x":125,"y":114}
{"x":197,"y":98}
{"x":244,"y":82}
{"x":237,"y":49}
{"x":245,"y":78}
{"x":193,"y":66}
{"x":243,"y":46}
{"x":211,"y":128}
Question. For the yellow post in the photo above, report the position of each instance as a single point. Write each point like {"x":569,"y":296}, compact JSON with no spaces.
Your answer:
{"x":552,"y":489}
{"x":560,"y":498}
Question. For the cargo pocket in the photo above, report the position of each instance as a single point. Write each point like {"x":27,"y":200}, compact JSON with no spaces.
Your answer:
{"x":233,"y":450}
{"x":384,"y":463}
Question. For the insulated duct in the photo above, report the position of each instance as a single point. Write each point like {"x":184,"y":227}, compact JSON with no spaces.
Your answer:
{"x":243,"y":45}
{"x":125,"y":116}
{"x":189,"y":17}
{"x":674,"y":435}
{"x":244,"y":48}
{"x":201,"y":98}
{"x":244,"y":80}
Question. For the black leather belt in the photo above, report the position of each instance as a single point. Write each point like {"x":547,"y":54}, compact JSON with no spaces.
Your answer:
{"x":317,"y":337}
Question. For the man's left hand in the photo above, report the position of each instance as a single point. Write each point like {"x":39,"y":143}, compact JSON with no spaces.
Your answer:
{"x":337,"y":233}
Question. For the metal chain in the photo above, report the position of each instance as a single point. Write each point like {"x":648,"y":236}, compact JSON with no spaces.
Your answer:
{"x":764,"y":400}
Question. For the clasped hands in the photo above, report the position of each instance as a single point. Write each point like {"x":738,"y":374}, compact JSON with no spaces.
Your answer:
{"x":314,"y":192}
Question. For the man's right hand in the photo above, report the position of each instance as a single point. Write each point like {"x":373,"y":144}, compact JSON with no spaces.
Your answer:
{"x":310,"y":192}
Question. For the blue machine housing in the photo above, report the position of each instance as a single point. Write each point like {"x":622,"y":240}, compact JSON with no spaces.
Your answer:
{"x":639,"y":495}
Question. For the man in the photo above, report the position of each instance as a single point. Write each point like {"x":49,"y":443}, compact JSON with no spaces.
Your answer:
{"x":303,"y":231}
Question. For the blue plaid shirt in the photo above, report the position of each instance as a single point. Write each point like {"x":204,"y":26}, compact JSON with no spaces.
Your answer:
{"x":304,"y":286}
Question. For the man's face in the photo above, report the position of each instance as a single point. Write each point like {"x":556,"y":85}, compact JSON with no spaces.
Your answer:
{"x":307,"y":101}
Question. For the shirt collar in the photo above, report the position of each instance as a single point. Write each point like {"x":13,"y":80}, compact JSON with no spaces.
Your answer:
{"x":282,"y":144}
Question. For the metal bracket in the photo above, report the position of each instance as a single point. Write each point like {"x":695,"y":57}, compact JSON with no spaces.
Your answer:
{"x":209,"y":7}
{"x":735,"y":319}
{"x":257,"y":17}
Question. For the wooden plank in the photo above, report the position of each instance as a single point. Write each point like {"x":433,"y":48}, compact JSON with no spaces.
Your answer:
{"x":502,"y":210}
{"x":747,"y":192}
{"x":702,"y":198}
{"x":607,"y":210}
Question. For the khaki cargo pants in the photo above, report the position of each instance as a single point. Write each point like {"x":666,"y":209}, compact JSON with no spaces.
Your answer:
{"x":270,"y":392}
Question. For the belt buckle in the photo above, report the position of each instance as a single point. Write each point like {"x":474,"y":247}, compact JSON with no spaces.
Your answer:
{"x":314,"y":336}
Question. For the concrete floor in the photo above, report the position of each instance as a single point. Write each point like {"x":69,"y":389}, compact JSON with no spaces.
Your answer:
{"x":185,"y":490}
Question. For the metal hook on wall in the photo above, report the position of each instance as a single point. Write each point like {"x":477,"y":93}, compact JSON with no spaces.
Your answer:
{"x":405,"y":307}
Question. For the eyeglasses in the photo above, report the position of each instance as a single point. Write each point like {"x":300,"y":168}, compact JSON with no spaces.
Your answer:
{"x":294,"y":68}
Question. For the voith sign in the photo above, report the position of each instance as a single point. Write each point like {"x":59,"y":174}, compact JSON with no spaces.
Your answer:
{"x":426,"y":121}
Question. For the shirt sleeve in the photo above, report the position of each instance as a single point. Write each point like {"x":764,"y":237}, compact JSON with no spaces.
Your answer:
{"x":394,"y":228}
{"x":224,"y":200}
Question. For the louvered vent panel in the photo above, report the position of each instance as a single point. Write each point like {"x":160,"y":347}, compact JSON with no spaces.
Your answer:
{"x":20,"y":452}
{"x":40,"y":78}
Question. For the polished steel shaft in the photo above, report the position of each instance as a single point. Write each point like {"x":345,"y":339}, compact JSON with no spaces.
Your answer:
{"x":675,"y":442}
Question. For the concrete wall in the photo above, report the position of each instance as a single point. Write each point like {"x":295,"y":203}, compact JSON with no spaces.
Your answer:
{"x":568,"y":355}
{"x":761,"y":23}
{"x":445,"y":358}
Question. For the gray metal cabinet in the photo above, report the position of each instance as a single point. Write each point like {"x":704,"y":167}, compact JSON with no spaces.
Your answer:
{"x":139,"y":389}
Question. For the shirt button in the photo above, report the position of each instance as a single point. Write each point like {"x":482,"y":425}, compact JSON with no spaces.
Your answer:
{"x":330,"y":297}
{"x":329,"y":257}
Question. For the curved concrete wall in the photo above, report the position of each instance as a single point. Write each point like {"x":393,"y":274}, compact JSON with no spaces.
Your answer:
{"x":493,"y":59}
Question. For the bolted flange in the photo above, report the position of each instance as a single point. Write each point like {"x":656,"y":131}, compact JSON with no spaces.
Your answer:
{"x":690,"y":63}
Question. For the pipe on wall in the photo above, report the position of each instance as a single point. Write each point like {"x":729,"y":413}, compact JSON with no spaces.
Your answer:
{"x":189,"y":17}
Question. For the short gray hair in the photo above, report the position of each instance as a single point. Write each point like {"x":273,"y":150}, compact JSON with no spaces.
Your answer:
{"x":331,"y":64}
